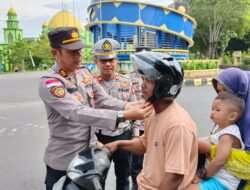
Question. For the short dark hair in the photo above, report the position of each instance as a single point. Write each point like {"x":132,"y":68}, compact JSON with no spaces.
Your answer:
{"x":237,"y":103}
{"x":142,"y":48}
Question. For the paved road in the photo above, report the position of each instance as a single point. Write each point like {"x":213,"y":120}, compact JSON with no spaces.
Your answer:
{"x":24,"y":133}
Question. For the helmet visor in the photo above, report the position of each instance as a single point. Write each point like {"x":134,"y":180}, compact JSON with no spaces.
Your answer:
{"x":143,"y":67}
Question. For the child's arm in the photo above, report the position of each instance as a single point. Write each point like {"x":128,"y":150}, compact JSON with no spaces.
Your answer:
{"x":204,"y":145}
{"x":222,"y":154}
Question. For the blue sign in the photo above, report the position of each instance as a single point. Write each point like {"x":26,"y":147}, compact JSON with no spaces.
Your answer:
{"x":1,"y":67}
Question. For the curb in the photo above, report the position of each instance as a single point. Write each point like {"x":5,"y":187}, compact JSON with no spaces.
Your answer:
{"x":197,"y":82}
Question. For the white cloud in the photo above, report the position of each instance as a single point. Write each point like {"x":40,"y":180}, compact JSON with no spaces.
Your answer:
{"x":33,"y":13}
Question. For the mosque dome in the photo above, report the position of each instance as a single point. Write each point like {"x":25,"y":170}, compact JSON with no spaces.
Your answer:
{"x":11,"y":12}
{"x":64,"y":18}
{"x":182,"y":9}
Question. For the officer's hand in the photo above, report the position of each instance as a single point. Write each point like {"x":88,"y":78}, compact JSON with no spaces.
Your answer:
{"x":139,"y":112}
{"x":131,"y":105}
{"x":113,"y":146}
{"x":99,"y":144}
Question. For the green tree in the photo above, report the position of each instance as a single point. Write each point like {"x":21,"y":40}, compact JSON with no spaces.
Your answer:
{"x":41,"y":53}
{"x":224,"y":40}
{"x":214,"y":18}
{"x":19,"y":54}
{"x":87,"y":55}
{"x":247,"y":39}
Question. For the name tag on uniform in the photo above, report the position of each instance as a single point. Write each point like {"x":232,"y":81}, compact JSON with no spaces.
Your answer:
{"x":123,"y":89}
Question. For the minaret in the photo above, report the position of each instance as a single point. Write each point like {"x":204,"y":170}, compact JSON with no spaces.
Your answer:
{"x":44,"y":29}
{"x":12,"y":33}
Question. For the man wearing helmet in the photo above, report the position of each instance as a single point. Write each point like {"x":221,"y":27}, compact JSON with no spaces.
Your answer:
{"x":170,"y":136}
{"x":137,"y":159}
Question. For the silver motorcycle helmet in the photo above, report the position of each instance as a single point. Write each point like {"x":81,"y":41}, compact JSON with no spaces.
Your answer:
{"x":86,"y":171}
{"x":89,"y":168}
{"x":162,"y":68}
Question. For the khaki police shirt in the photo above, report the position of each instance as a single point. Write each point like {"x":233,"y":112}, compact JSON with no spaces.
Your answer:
{"x":120,"y":87}
{"x":137,"y":82}
{"x":72,"y":115}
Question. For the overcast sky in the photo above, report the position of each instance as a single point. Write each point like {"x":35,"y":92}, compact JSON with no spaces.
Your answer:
{"x":33,"y":13}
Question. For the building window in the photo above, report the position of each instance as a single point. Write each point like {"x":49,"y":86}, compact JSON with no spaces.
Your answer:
{"x":10,"y":38}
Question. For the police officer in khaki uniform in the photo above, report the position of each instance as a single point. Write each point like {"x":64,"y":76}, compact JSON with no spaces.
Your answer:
{"x":119,"y":86}
{"x":71,"y":96}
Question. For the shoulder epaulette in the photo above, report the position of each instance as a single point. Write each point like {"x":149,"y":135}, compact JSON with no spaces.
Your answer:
{"x":100,"y":78}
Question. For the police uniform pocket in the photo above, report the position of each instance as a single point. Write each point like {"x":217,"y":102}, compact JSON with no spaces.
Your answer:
{"x":91,"y":95}
{"x":123,"y":94}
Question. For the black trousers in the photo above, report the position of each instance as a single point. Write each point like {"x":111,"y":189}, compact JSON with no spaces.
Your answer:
{"x":121,"y":159}
{"x":137,"y":163}
{"x":52,"y":176}
{"x":242,"y":185}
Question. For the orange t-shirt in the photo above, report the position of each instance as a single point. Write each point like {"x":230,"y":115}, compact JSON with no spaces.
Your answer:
{"x":170,"y":140}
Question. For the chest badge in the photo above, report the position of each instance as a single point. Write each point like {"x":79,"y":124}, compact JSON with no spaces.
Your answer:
{"x":78,"y":97}
{"x":86,"y":80}
{"x":124,"y":85}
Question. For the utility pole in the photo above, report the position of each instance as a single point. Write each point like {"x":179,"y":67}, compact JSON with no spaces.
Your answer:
{"x":100,"y":19}
{"x":1,"y":65}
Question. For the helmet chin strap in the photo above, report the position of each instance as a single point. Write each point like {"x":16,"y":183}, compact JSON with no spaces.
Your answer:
{"x":152,"y":99}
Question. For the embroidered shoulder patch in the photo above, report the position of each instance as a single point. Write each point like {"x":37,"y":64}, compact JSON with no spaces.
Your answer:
{"x":58,"y":91}
{"x":52,"y":82}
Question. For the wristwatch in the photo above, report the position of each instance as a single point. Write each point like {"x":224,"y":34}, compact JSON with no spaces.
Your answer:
{"x":120,"y":116}
{"x":202,"y":173}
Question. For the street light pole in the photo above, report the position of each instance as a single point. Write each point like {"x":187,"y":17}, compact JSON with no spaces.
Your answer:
{"x":1,"y":65}
{"x":100,"y":19}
